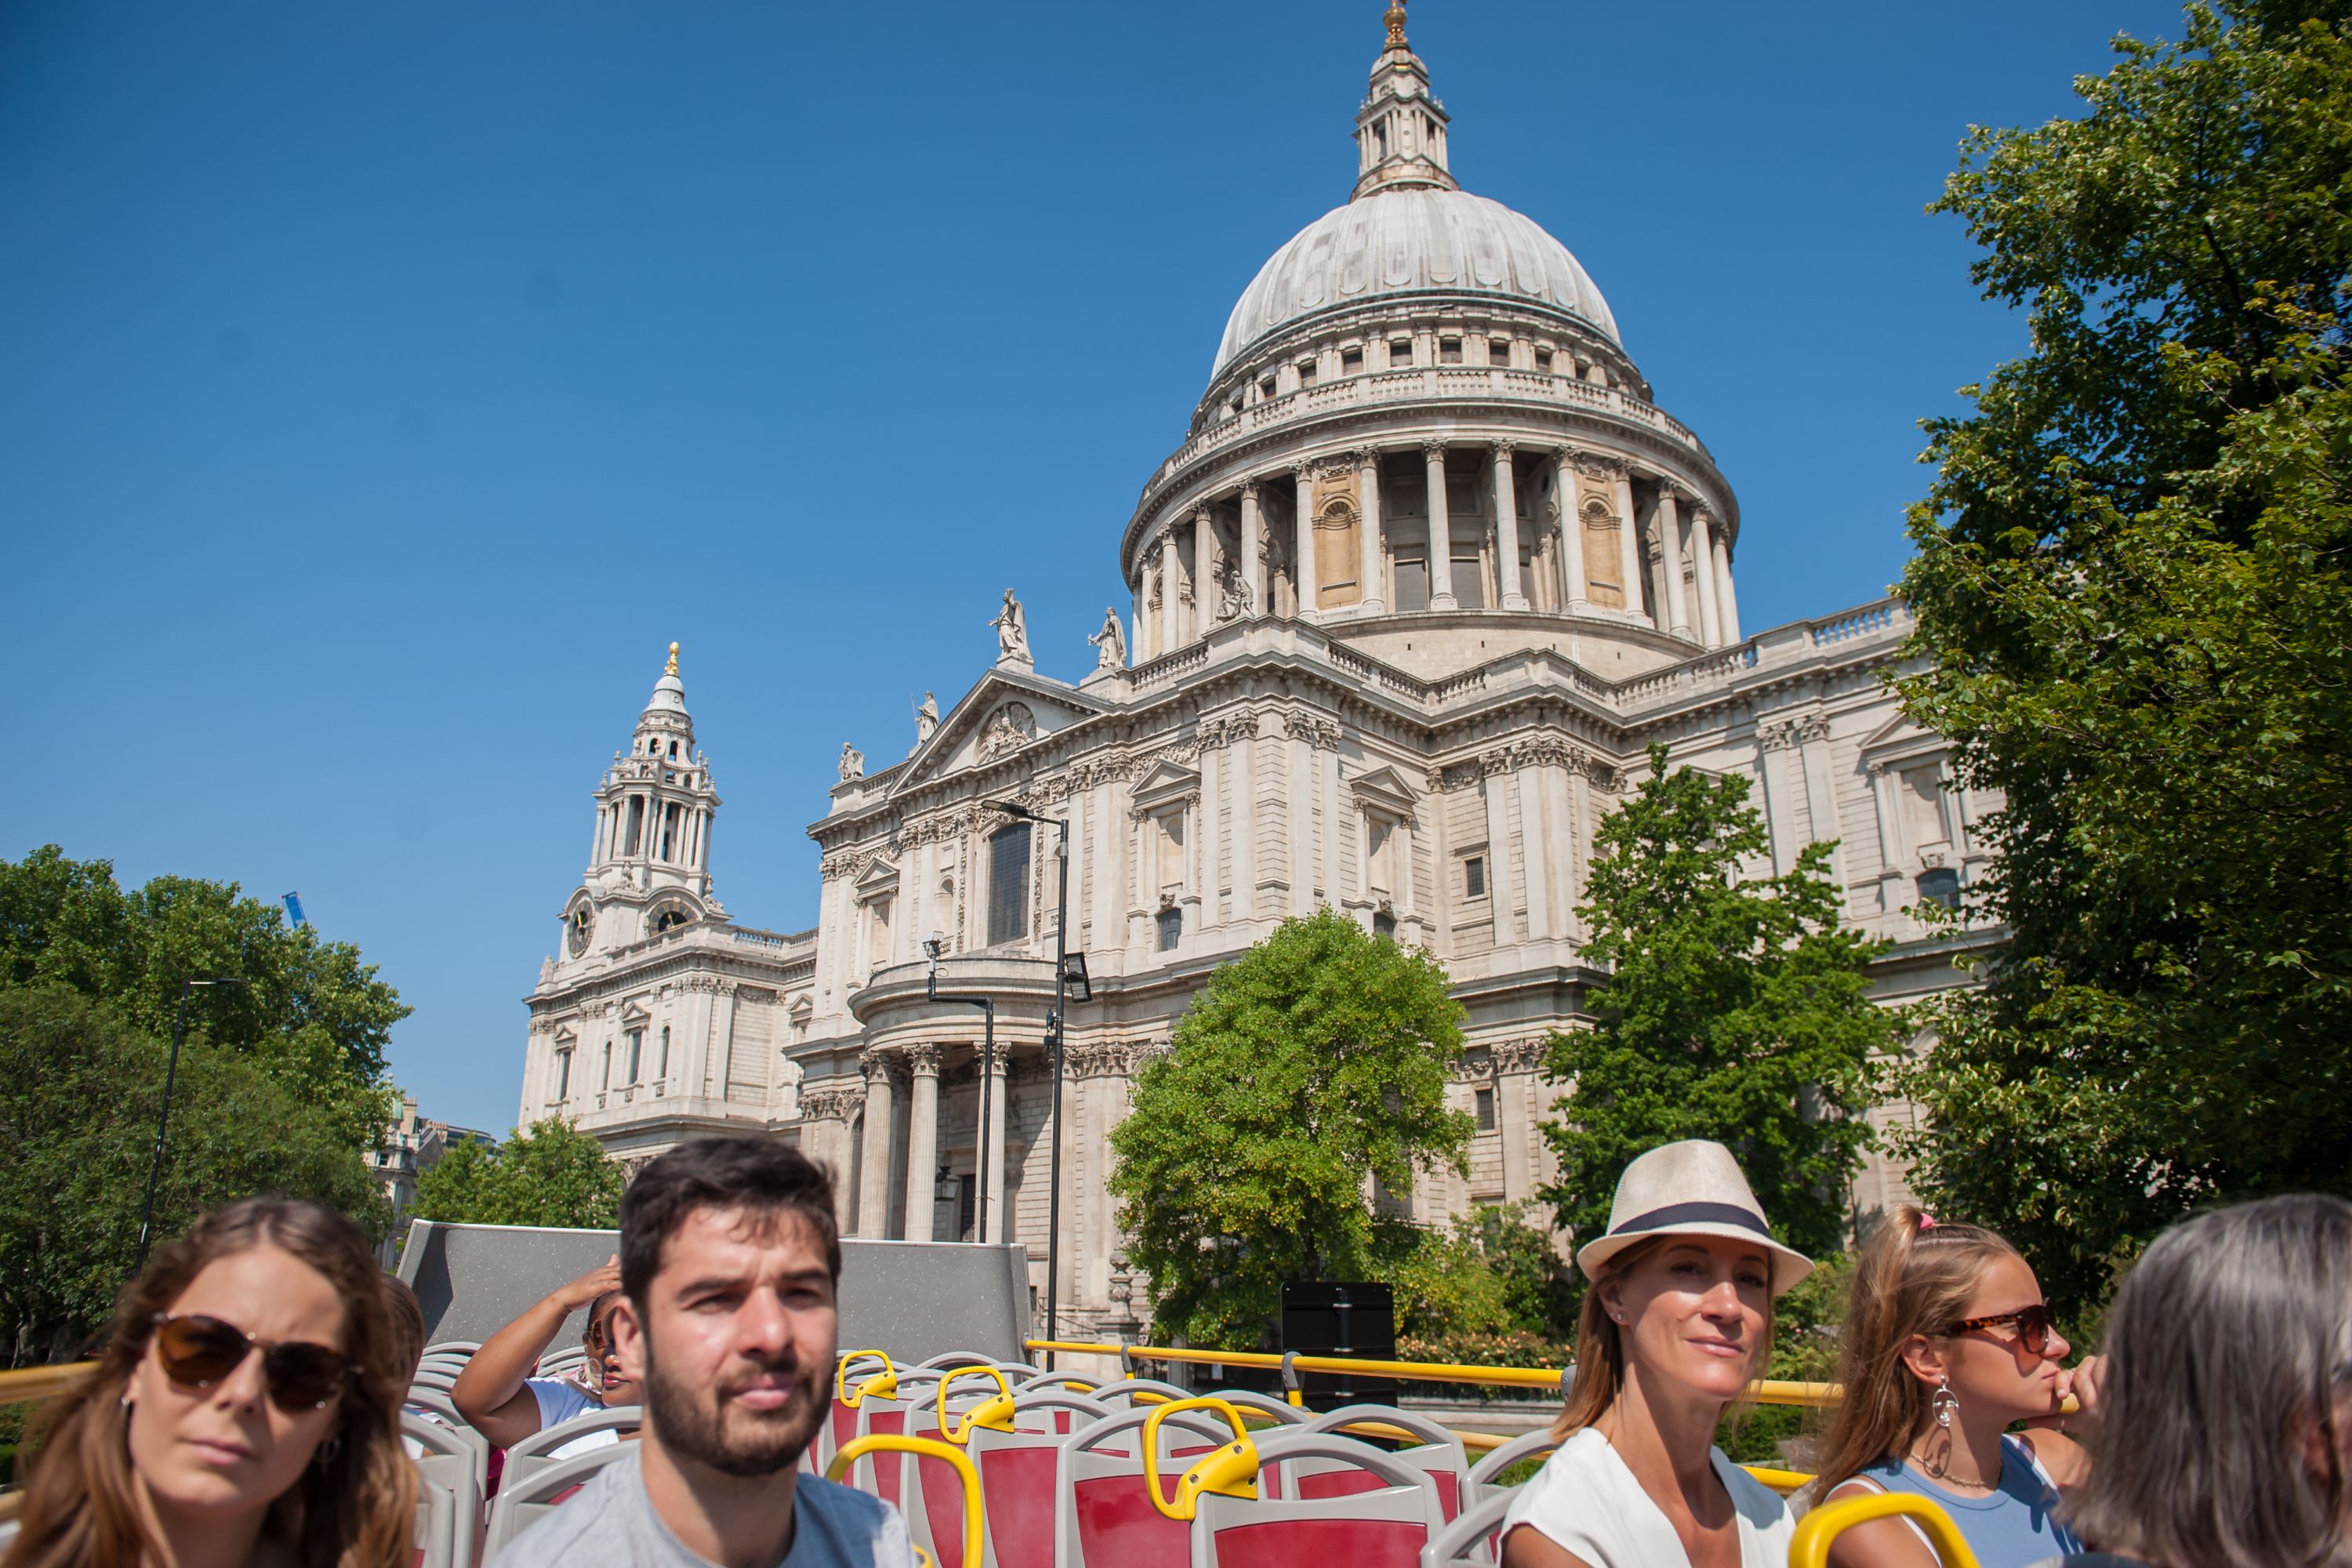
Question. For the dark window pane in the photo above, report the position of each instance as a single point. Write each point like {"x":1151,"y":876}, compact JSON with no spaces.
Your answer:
{"x":1412,"y":585}
{"x":1485,"y":1102}
{"x":1008,"y":884}
{"x":1470,"y":582}
{"x":1941,"y":886}
{"x":1474,"y":876}
{"x":1171,"y":929}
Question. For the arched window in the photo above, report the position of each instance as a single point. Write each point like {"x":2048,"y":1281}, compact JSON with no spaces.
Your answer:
{"x":663,"y":1070}
{"x":1008,"y":884}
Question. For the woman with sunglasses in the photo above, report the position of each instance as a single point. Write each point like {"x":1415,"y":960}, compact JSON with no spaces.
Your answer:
{"x":241,"y":1412}
{"x":1948,"y":1344}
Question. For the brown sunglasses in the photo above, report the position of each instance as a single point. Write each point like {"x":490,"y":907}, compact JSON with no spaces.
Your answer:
{"x":2034,"y":1326}
{"x":199,"y":1351}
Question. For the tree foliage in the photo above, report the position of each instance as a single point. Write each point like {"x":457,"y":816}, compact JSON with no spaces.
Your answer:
{"x":2133,"y":618}
{"x":308,"y":1012}
{"x":1735,"y":1009}
{"x":549,"y":1174}
{"x":1309,"y":1071}
{"x":79,"y":1093}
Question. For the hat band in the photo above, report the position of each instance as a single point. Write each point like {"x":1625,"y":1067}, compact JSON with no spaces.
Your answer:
{"x":1692,"y":1214}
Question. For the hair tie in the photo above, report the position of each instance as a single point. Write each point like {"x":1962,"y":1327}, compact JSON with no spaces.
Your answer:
{"x":1926,"y":1221}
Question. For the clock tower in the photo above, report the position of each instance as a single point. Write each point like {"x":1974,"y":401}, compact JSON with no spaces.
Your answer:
{"x":649,"y":863}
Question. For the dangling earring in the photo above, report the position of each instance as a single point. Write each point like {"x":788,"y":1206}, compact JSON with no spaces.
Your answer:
{"x":1945,"y":1404}
{"x":328,"y":1451}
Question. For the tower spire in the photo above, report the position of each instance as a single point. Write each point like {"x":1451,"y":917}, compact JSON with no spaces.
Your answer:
{"x":673,"y":661}
{"x":1401,"y":129}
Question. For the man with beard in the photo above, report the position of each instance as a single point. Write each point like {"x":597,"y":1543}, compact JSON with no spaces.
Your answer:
{"x":728,"y":1264}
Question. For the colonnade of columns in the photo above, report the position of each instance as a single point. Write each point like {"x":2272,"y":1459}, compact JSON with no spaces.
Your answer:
{"x":1177,"y":601}
{"x":916,"y":1070}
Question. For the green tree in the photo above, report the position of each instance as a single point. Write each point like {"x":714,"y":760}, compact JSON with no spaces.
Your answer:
{"x":1736,"y":1009}
{"x":79,"y":1093}
{"x":2133,"y":618}
{"x":310,"y":1013}
{"x":1308,"y":1070}
{"x":549,"y":1174}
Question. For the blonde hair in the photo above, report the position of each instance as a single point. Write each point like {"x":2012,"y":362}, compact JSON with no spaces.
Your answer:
{"x":355,"y":1506}
{"x":1599,"y":1365}
{"x":1914,"y":1276}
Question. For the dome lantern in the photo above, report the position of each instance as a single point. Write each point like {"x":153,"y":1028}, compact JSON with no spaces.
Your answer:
{"x":1401,"y":129}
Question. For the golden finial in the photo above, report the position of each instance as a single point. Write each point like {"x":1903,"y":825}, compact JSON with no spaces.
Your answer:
{"x":673,"y":661}
{"x":1395,"y":19}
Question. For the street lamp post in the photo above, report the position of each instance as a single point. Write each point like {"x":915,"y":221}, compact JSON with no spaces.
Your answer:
{"x":932,"y":944}
{"x":163,"y":1121}
{"x":1054,"y":1030}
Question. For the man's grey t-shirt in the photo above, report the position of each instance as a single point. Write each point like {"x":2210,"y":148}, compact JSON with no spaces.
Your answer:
{"x":611,"y":1520}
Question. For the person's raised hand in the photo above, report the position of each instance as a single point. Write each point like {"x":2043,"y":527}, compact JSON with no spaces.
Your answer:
{"x":2083,"y":1382}
{"x":580,"y":1292}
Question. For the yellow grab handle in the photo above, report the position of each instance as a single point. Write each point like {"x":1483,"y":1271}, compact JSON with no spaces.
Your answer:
{"x":996,"y":1413}
{"x":974,"y":1526}
{"x":882,"y":1384}
{"x":1811,"y":1548}
{"x":1231,"y":1471}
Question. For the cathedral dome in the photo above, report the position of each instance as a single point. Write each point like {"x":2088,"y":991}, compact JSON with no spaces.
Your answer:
{"x":1405,"y":240}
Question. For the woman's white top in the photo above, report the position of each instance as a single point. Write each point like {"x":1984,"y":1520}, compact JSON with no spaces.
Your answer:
{"x":1587,"y":1501}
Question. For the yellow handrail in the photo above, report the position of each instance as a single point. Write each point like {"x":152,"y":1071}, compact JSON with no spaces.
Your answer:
{"x":882,"y":1384}
{"x":856,"y":1449}
{"x":1810,"y":1547}
{"x":1231,"y":1471}
{"x":1765,"y":1391}
{"x":42,"y":1382}
{"x":995,"y":1414}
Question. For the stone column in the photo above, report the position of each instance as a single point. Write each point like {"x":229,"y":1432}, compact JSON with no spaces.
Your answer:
{"x":1571,"y":527}
{"x":1726,"y":604}
{"x":1628,"y":544}
{"x":1670,"y":554}
{"x":1710,"y":626}
{"x":922,"y":1140}
{"x":1441,"y":534}
{"x":1506,"y":528}
{"x":1204,"y":572}
{"x":873,"y":1162}
{"x":1139,"y":640}
{"x":1253,"y":562}
{"x":992,"y":1180}
{"x":1368,"y":517}
{"x":1310,"y":581}
{"x":1170,"y":637}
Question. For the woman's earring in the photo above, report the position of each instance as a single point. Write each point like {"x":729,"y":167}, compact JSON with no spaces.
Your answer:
{"x":1945,"y":1404}
{"x":328,"y":1451}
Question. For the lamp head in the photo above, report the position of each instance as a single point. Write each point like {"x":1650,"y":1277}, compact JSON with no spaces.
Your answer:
{"x":933,"y":945}
{"x":1010,"y":809}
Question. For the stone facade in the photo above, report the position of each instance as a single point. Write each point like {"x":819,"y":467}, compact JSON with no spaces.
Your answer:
{"x":1324,"y":710}
{"x":412,"y":1146}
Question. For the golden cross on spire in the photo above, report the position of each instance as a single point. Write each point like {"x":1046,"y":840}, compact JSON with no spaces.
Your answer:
{"x":1395,"y":19}
{"x":673,"y":661}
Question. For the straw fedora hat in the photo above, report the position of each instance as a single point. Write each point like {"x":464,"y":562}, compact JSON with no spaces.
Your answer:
{"x":1691,"y":1188}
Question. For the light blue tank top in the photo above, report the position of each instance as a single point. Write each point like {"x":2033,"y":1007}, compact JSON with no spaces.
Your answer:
{"x":2015,"y":1526}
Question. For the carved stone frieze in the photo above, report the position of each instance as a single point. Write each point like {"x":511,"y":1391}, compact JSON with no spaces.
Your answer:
{"x":1600,"y":465}
{"x":1514,"y":1057}
{"x":832,"y":1104}
{"x":1300,"y":724}
{"x":923,"y":1060}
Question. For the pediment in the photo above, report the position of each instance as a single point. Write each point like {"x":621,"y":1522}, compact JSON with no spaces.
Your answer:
{"x":632,"y":1014}
{"x":879,"y":879}
{"x":1383,"y":790}
{"x":1166,"y":783}
{"x":1900,"y":735}
{"x":1004,"y":715}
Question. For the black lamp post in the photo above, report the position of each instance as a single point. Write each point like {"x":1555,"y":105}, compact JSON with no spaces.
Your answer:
{"x":987,"y":1005}
{"x":163,"y":1121}
{"x":1053,"y":1030}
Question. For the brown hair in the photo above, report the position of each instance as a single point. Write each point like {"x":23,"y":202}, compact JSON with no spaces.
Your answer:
{"x":1599,"y":1365}
{"x":404,"y":1322}
{"x":1914,"y":1276}
{"x":354,"y":1508}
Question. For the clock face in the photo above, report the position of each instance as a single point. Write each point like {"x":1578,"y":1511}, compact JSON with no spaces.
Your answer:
{"x":583,"y":923}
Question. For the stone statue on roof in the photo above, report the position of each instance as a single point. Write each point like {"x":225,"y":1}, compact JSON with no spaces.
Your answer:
{"x":1110,"y":643}
{"x":1011,"y":624}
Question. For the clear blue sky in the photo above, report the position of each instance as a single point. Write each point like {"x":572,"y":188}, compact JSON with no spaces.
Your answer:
{"x":381,"y":387}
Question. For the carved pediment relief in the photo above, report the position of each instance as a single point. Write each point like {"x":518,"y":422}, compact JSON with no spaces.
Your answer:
{"x":1010,"y":726}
